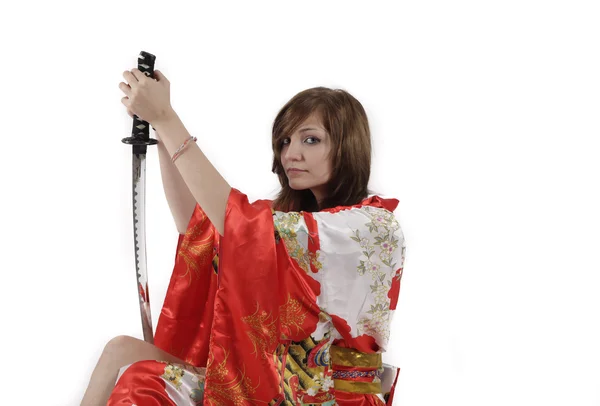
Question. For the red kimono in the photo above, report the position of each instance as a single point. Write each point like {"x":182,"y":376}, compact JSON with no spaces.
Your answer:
{"x":289,"y":308}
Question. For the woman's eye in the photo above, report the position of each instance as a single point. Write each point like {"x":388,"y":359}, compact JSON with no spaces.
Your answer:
{"x":314,"y":140}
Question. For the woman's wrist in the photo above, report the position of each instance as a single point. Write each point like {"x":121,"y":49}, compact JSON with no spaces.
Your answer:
{"x":165,"y":121}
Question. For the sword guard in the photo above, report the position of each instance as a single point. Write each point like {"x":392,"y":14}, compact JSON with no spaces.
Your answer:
{"x":139,"y":145}
{"x":139,"y":141}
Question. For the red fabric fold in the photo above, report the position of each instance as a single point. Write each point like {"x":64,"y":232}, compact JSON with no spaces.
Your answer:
{"x":141,"y":384}
{"x":184,"y":325}
{"x":245,"y":335}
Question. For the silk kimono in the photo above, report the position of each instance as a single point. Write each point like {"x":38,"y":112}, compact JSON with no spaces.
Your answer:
{"x":287,"y":308}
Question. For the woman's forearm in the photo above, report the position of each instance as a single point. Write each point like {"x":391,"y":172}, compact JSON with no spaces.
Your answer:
{"x":209,"y":189}
{"x":181,"y":201}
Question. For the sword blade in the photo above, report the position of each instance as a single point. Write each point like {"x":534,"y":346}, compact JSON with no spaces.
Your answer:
{"x":139,"y":233}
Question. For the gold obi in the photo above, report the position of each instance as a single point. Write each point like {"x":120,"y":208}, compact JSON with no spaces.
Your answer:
{"x":355,"y":371}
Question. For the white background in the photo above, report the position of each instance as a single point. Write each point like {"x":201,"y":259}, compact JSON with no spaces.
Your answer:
{"x":484,"y":117}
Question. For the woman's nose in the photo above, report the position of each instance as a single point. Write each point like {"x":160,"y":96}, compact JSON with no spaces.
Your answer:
{"x":293,"y":151}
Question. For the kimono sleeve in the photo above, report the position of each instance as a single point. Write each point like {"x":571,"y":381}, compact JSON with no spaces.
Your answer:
{"x":185,"y":321}
{"x":245,"y":332}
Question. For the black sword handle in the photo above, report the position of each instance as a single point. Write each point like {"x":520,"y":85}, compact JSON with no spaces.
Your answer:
{"x":140,"y":133}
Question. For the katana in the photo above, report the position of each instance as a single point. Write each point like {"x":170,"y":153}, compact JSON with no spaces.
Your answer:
{"x":140,"y":139}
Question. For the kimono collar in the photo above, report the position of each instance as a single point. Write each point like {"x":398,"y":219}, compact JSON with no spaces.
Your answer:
{"x":374,"y":201}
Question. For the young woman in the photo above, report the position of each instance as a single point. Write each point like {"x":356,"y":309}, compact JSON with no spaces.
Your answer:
{"x":273,"y":302}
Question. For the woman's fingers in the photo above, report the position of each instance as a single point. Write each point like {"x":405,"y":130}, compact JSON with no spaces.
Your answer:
{"x":130,"y":78}
{"x":138,"y":74}
{"x":125,"y":88}
{"x":136,"y":82}
{"x":131,"y":114}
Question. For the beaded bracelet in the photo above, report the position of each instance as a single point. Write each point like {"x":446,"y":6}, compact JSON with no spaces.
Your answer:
{"x":182,"y":147}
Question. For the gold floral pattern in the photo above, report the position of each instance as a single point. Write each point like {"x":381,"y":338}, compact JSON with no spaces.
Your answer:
{"x":291,"y":315}
{"x":227,"y":392}
{"x":196,"y":251}
{"x":263,"y":331}
{"x":288,"y":226}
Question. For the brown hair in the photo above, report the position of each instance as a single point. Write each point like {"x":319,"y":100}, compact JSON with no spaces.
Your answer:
{"x":345,"y":120}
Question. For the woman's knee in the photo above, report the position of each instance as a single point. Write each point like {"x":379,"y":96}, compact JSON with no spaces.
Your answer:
{"x":120,"y":341}
{"x":121,"y":345}
{"x":126,"y":350}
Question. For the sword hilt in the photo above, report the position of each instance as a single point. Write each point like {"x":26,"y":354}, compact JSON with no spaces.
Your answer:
{"x":140,"y":133}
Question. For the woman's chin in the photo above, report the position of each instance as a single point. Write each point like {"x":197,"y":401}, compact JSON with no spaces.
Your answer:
{"x":302,"y":185}
{"x":297,"y":186}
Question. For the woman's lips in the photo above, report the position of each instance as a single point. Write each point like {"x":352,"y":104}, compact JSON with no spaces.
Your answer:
{"x":295,"y":172}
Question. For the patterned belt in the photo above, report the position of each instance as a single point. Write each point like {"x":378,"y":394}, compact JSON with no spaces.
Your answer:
{"x":355,"y":371}
{"x":355,"y":374}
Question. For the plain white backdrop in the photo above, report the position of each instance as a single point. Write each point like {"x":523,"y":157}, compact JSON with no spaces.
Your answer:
{"x":485,"y":123}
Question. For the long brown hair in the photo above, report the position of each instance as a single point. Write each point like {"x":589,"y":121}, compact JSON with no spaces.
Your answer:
{"x":345,"y":120}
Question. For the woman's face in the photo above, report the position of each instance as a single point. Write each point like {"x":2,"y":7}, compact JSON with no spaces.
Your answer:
{"x":307,"y":150}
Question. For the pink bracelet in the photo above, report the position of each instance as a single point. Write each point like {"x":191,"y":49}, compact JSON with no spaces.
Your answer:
{"x":182,"y":147}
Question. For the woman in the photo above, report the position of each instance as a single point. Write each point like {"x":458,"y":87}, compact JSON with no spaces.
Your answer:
{"x":272,"y":302}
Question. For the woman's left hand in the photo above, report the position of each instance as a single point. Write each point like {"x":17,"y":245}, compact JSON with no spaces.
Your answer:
{"x":147,"y":98}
